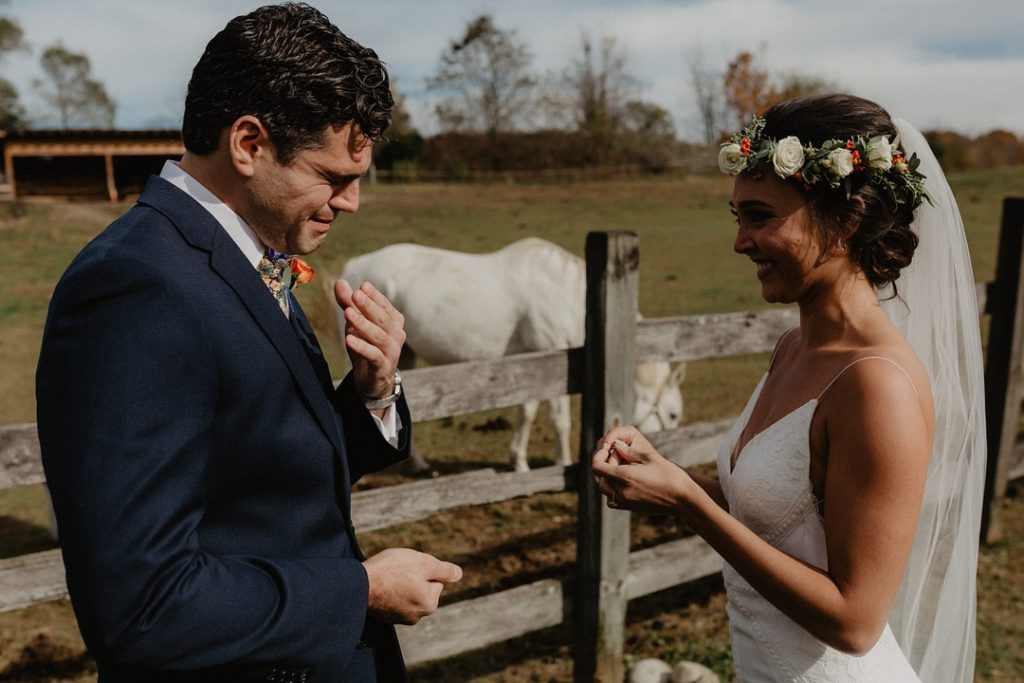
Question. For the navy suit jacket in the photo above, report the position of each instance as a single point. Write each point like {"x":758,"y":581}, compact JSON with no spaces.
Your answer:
{"x":200,"y":461}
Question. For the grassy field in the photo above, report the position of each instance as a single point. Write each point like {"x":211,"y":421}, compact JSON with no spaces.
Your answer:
{"x":687,"y":266}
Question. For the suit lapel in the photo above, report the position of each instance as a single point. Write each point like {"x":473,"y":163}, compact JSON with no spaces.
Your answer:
{"x":202,"y":231}
{"x":304,"y":331}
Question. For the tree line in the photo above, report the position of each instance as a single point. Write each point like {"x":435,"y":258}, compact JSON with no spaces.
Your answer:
{"x":75,"y":99}
{"x":497,"y":113}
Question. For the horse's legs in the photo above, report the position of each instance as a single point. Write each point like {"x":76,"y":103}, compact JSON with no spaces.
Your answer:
{"x":527,"y":414}
{"x":562,"y":419}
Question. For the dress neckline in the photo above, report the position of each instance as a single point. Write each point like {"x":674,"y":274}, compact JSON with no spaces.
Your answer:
{"x":737,"y":453}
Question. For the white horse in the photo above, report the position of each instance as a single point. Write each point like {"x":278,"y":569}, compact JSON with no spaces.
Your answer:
{"x":528,"y":296}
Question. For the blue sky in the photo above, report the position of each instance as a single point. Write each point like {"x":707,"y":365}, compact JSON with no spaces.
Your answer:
{"x":938,"y":63}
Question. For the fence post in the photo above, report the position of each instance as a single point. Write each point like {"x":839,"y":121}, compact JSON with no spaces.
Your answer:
{"x":1003,"y":374}
{"x":599,"y":609}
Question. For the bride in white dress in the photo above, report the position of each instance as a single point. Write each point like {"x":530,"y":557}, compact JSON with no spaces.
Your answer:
{"x":848,"y":498}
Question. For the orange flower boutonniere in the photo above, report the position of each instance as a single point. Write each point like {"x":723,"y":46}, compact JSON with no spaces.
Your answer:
{"x":301,"y":273}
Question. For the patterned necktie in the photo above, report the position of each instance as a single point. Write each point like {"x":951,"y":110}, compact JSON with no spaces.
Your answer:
{"x":271,"y":268}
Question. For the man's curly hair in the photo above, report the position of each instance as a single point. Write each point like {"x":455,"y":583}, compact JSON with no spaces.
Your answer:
{"x":295,"y":71}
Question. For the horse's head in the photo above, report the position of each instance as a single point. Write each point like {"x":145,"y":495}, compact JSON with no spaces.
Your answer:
{"x":659,"y":400}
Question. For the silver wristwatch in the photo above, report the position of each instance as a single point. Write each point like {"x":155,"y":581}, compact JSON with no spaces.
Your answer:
{"x":385,"y":401}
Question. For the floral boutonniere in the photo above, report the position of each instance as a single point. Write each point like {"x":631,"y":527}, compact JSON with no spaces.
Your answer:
{"x":302,"y":273}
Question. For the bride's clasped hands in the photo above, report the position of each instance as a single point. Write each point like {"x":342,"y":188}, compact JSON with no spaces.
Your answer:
{"x":632,"y":475}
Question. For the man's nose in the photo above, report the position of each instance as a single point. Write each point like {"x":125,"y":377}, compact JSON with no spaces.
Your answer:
{"x":346,"y":198}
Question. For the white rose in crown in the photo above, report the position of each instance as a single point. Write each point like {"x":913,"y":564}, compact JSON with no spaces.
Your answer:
{"x":731,"y":159}
{"x":841,"y":162}
{"x":788,"y":156}
{"x":880,"y":153}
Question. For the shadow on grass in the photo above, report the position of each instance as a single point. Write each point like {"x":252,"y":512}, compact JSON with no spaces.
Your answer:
{"x":403,"y":472}
{"x":547,"y":644}
{"x":551,"y":648}
{"x":18,"y":537}
{"x":44,"y":660}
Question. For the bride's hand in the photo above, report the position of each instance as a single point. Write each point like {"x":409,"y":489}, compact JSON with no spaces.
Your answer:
{"x":634,"y":476}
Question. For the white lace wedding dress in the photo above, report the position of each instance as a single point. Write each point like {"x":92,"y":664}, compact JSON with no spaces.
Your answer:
{"x":769,"y":491}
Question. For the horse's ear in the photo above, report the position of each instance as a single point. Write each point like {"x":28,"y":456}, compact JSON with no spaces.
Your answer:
{"x":678,"y":375}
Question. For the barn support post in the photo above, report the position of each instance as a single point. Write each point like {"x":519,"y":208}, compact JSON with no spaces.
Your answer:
{"x":1004,"y":378}
{"x":600,"y":598}
{"x":108,"y":162}
{"x":9,"y":172}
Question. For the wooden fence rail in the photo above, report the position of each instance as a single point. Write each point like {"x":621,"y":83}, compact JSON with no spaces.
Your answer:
{"x":609,"y":576}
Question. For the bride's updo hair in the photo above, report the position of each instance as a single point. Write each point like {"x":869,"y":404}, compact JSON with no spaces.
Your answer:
{"x":882,"y":243}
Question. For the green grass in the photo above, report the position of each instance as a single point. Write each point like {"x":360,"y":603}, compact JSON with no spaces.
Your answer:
{"x":687,"y":266}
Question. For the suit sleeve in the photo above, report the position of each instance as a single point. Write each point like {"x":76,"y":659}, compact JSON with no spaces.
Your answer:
{"x":127,"y":389}
{"x":368,"y":450}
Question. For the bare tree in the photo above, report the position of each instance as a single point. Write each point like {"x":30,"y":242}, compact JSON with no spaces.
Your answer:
{"x":599,"y":86}
{"x":71,"y":91}
{"x":12,"y":114}
{"x":486,"y":79}
{"x":708,"y":97}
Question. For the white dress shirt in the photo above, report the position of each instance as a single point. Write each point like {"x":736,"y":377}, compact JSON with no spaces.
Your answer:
{"x":252,"y":248}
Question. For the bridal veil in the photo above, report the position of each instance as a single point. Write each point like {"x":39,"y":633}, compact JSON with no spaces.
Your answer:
{"x":936,"y":310}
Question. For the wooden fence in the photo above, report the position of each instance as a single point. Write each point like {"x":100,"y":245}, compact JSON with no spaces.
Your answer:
{"x":608,"y":575}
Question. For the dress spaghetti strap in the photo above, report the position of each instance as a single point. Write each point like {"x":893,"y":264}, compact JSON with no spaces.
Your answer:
{"x":855,"y":361}
{"x":778,"y":345}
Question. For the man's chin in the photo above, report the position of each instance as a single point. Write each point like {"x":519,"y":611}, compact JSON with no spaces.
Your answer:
{"x":313,"y":238}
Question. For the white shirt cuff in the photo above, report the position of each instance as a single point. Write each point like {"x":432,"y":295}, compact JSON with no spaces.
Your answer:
{"x":390,"y":425}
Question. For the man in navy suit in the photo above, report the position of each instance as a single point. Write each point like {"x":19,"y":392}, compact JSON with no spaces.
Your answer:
{"x":199,"y":458}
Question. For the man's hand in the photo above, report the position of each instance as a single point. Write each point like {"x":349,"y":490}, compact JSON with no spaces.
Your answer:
{"x":406,"y":584}
{"x":374,"y":335}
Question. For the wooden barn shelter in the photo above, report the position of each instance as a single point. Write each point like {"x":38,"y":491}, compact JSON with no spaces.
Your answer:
{"x":85,"y":163}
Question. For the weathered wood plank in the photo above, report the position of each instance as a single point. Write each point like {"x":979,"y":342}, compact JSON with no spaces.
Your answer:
{"x":670,"y":564}
{"x":459,"y":388}
{"x":717,"y":335}
{"x":482,"y":385}
{"x":39,"y":577}
{"x":472,"y":624}
{"x":29,"y":579}
{"x":495,"y":618}
{"x":378,"y":508}
{"x":386,"y":506}
{"x":695,"y":444}
{"x":20,"y":464}
{"x":508,"y":381}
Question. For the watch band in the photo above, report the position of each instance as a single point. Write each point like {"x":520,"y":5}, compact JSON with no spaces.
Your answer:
{"x":385,"y":401}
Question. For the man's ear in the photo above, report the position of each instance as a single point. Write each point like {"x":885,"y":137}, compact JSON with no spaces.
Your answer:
{"x":248,"y":144}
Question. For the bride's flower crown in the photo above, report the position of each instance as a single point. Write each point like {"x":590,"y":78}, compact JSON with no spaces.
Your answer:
{"x":835,"y":162}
